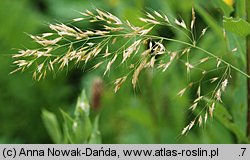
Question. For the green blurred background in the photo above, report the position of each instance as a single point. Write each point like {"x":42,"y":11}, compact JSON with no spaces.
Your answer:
{"x":151,"y":114}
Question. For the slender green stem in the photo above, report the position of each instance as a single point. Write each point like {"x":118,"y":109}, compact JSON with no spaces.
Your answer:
{"x":248,"y":69}
{"x":205,"y":51}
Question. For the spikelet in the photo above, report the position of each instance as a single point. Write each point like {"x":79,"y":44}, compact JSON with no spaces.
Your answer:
{"x":158,"y":14}
{"x":193,"y":19}
{"x":152,"y":62}
{"x":182,"y":23}
{"x":97,"y":65}
{"x":45,"y":42}
{"x":127,"y":53}
{"x":198,"y":99}
{"x":205,"y":118}
{"x":214,"y":79}
{"x":166,"y":19}
{"x":188,"y":127}
{"x":110,"y":63}
{"x":184,"y":131}
{"x":193,"y":107}
{"x":118,"y":83}
{"x":218,"y":63}
{"x":150,"y":16}
{"x":78,"y":19}
{"x":203,"y":31}
{"x":200,"y":120}
{"x":224,"y":85}
{"x":218,"y":95}
{"x":211,"y":109}
{"x":137,"y":72}
{"x":191,"y":125}
{"x":234,"y":50}
{"x":152,"y":21}
{"x":172,"y":57}
{"x":204,"y":60}
{"x":181,"y":92}
{"x":199,"y":91}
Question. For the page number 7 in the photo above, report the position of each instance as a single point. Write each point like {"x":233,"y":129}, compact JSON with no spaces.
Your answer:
{"x":243,"y":151}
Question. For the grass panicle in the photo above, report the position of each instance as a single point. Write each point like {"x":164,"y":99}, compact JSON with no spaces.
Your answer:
{"x":67,"y":44}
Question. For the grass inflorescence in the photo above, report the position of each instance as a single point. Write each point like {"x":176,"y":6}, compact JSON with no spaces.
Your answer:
{"x":67,"y":44}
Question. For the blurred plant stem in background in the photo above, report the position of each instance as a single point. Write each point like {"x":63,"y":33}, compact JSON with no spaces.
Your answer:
{"x":248,"y":67}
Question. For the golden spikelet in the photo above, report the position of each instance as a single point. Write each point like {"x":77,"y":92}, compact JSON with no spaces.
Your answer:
{"x":137,"y":72}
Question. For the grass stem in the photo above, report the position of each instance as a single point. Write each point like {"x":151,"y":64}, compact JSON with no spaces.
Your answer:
{"x":248,"y":69}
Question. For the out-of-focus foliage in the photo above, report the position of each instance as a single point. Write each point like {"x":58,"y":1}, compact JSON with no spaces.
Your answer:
{"x":21,"y":99}
{"x":152,"y":113}
{"x":237,"y":26}
{"x":75,"y":130}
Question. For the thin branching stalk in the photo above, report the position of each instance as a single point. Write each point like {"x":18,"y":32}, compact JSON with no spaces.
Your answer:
{"x":140,"y":49}
{"x":248,"y":68}
{"x":204,"y":51}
